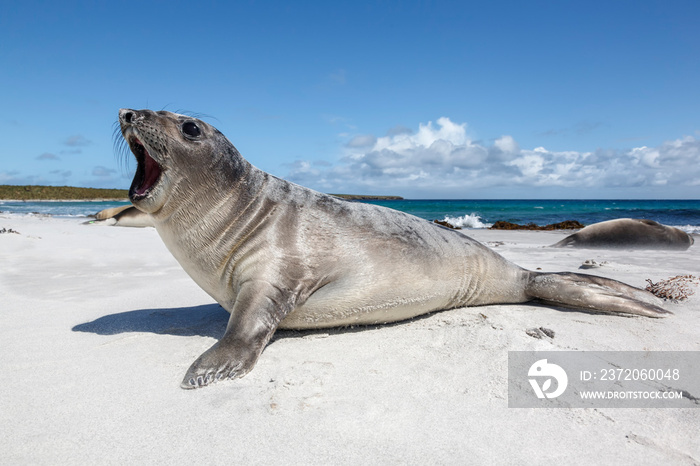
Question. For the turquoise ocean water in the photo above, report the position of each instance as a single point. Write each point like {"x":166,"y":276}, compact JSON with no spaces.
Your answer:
{"x":684,"y":214}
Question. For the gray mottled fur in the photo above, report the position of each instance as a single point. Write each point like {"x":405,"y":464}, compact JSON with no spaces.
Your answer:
{"x":628,"y":233}
{"x":278,"y":255}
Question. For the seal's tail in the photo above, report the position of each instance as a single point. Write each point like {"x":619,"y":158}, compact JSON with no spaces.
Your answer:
{"x":593,"y":293}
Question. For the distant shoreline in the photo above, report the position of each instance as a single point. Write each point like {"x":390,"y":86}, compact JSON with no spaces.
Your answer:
{"x":60,"y":193}
{"x":68,"y":200}
{"x":12,"y":193}
{"x":363,"y":197}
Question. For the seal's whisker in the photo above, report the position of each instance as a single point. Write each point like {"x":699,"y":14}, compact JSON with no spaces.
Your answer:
{"x":197,"y":115}
{"x":121,"y":149}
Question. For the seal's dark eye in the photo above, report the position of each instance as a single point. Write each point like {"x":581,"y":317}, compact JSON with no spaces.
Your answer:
{"x":191,"y":129}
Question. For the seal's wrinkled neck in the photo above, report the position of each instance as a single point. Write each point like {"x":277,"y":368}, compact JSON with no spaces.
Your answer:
{"x":205,"y":225}
{"x":219,"y":186}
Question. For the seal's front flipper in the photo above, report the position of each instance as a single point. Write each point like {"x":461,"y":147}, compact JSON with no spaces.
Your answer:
{"x":221,"y":361}
{"x":258,"y":310}
{"x":593,"y":293}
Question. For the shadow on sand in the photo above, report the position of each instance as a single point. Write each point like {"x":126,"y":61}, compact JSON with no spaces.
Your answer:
{"x":208,"y":320}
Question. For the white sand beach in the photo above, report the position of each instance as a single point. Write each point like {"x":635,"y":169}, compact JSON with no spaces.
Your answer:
{"x":99,"y":324}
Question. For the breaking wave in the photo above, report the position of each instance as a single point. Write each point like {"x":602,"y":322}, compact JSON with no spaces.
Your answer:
{"x":466,"y":221}
{"x":690,"y":229}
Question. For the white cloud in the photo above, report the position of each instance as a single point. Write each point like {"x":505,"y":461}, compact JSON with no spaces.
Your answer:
{"x":47,"y":156}
{"x":530,"y":165}
{"x":103,"y":171}
{"x":15,"y":177}
{"x":506,"y":144}
{"x":62,"y":173}
{"x":441,"y":160}
{"x":77,"y":140}
{"x":362,"y":140}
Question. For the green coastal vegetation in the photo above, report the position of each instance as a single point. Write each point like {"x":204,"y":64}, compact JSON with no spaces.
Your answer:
{"x":364,"y":197}
{"x":52,"y":193}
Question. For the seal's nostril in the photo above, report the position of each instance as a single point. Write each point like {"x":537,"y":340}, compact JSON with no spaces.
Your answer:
{"x":128,"y":116}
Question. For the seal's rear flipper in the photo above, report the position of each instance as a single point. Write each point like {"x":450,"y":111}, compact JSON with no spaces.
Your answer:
{"x":593,"y":293}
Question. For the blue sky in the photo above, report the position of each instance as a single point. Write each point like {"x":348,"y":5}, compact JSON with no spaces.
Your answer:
{"x":459,"y":99}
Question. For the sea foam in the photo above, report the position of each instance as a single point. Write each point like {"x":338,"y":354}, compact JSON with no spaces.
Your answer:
{"x":466,"y":221}
{"x":690,"y":229}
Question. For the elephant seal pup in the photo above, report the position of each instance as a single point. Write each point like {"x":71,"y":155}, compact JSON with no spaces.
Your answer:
{"x":124,"y":216}
{"x":628,"y":233}
{"x":278,"y":255}
{"x":111,"y":212}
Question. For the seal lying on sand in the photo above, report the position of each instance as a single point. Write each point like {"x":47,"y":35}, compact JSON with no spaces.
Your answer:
{"x":630,"y":233}
{"x":278,"y":255}
{"x":125,"y":216}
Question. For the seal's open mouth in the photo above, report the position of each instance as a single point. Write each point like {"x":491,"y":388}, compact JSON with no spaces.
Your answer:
{"x":147,"y":172}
